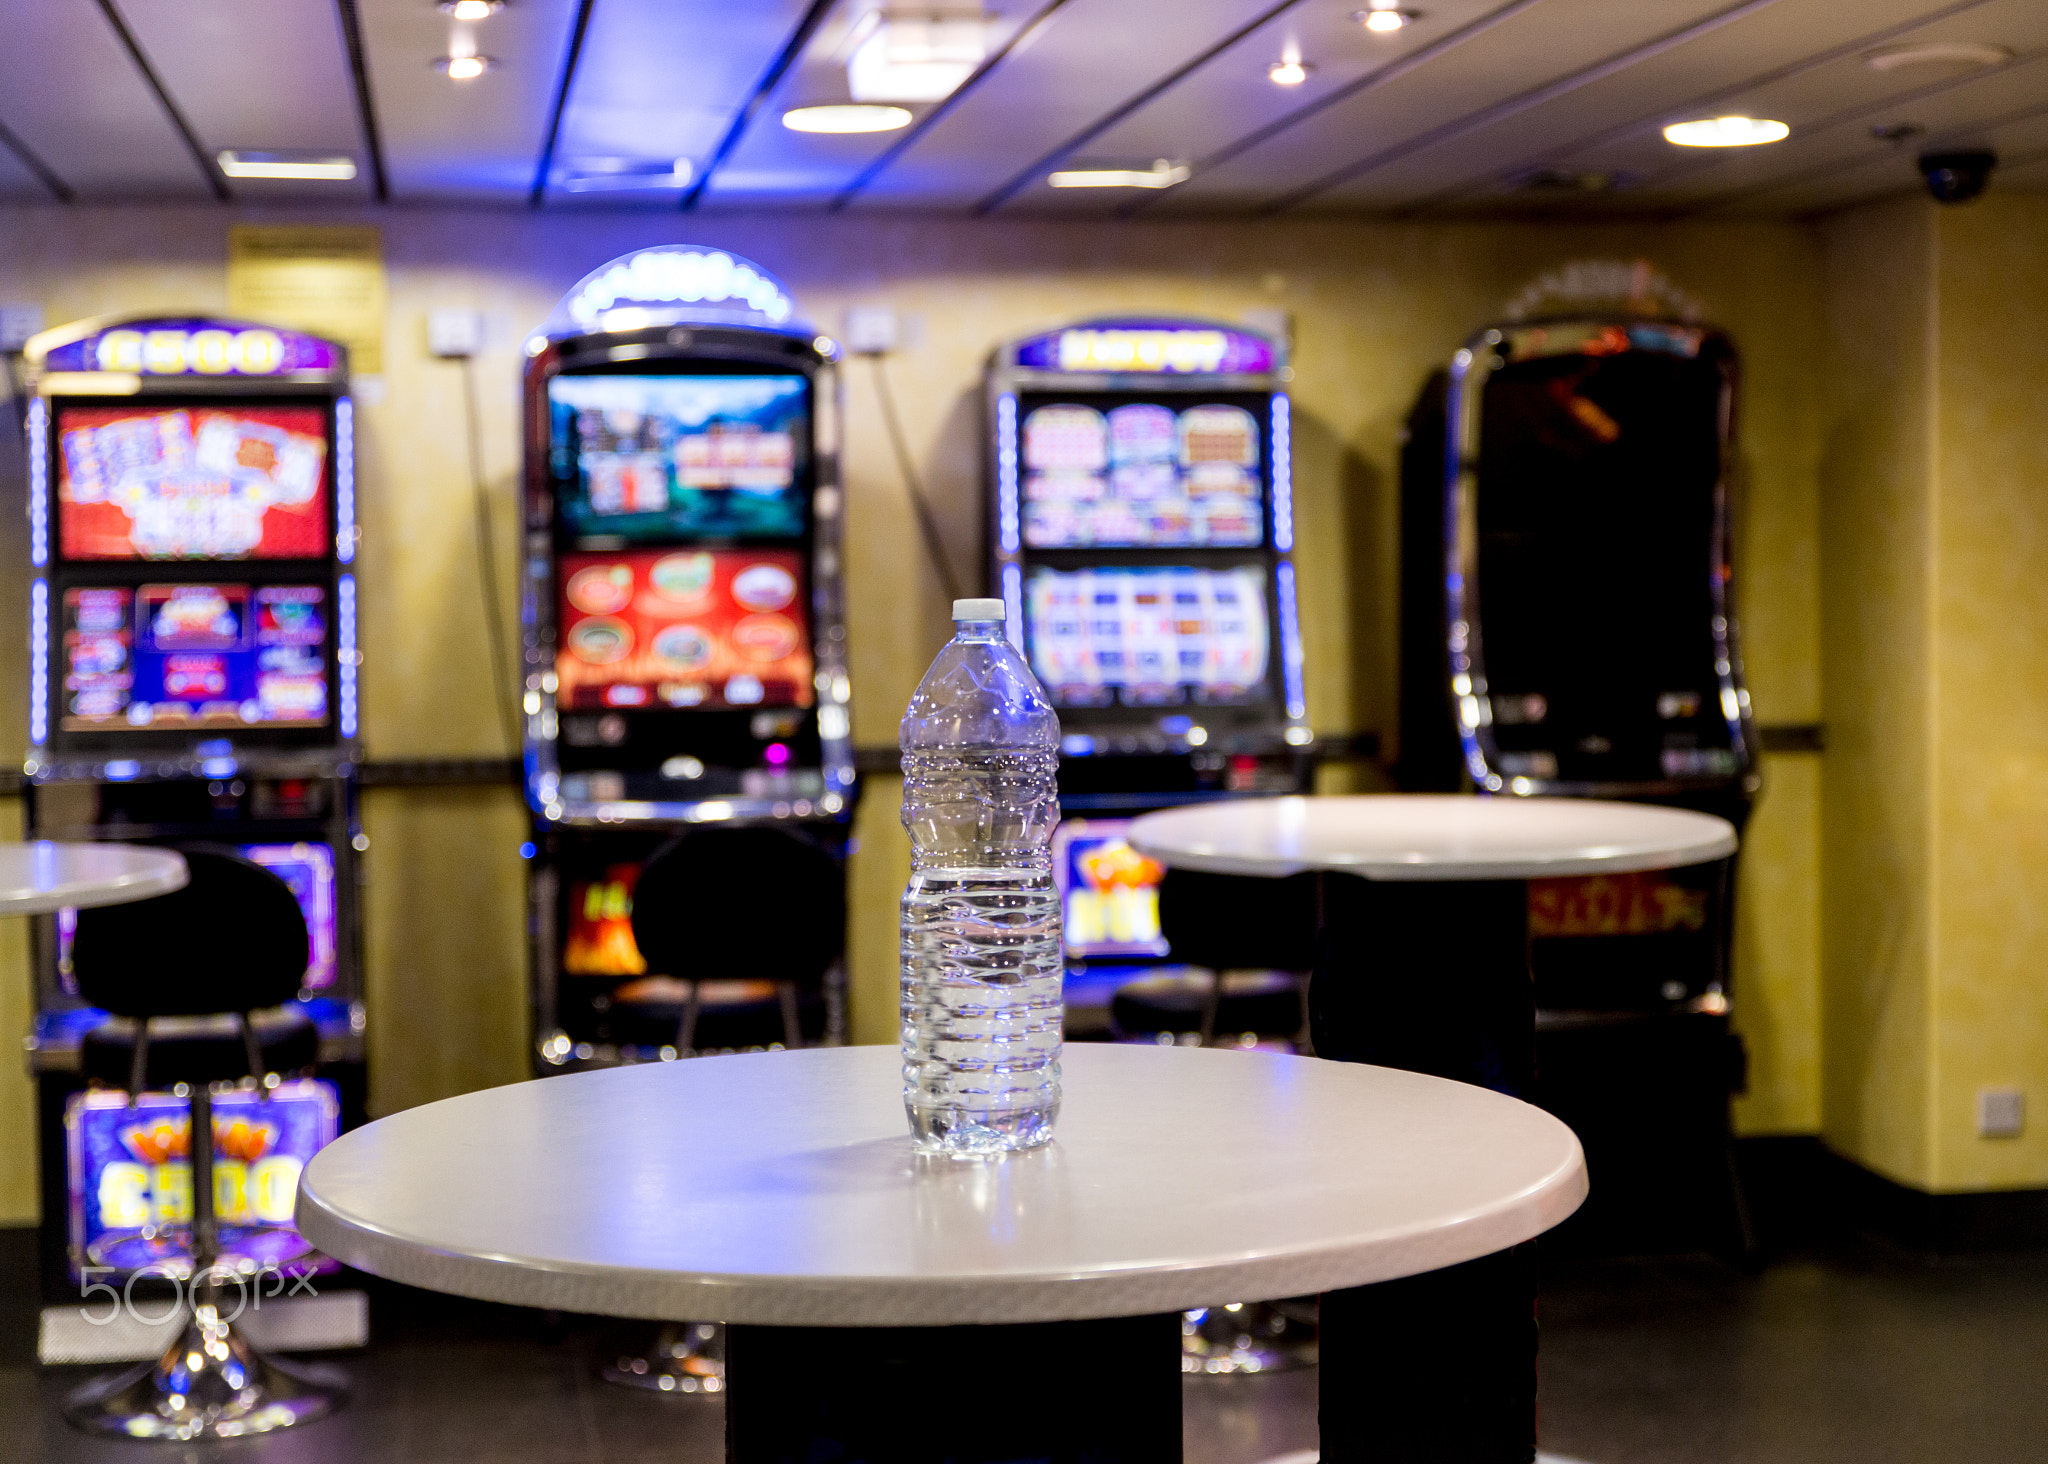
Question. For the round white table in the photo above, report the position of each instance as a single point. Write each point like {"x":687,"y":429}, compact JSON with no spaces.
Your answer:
{"x":778,"y":1192}
{"x":1422,"y":963}
{"x":41,"y":876}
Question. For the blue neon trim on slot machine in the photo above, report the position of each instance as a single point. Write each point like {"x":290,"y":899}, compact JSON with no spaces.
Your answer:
{"x":345,"y":480}
{"x":39,"y":661}
{"x":345,"y":619}
{"x":1013,"y":605}
{"x":38,"y":483}
{"x":1290,"y":644}
{"x":1283,"y":473}
{"x":1006,"y":471}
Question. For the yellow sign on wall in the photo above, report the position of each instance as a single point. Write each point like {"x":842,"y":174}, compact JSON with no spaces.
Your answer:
{"x":324,"y":278}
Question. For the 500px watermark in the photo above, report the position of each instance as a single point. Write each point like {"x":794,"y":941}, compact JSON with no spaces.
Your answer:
{"x":251,"y":1288}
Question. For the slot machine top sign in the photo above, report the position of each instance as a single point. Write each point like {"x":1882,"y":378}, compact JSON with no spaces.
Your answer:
{"x":667,"y":286}
{"x":1163,"y":347}
{"x":182,"y":346}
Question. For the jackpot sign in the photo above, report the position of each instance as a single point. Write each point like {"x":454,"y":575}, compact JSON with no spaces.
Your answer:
{"x":1141,"y":346}
{"x":194,"y":347}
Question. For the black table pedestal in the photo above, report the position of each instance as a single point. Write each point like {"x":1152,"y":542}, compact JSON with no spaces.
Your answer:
{"x":1098,"y":1392}
{"x":1434,"y":978}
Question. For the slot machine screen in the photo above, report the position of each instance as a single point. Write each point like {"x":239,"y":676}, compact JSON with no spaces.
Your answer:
{"x":1109,"y":892}
{"x":1141,"y":475}
{"x":240,"y":482}
{"x":1150,"y":636}
{"x":648,"y":459}
{"x":166,"y":657}
{"x":684,"y":628}
{"x":1596,"y":519}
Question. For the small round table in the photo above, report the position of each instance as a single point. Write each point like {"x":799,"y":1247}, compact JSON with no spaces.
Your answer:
{"x":41,"y":876}
{"x":1020,"y":1308}
{"x":1423,"y":964}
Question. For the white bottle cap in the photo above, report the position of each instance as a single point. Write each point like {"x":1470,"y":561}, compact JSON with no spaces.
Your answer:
{"x":978,"y":610}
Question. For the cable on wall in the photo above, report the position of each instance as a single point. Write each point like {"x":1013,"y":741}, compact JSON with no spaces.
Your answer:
{"x":927,"y":521}
{"x":507,"y":687}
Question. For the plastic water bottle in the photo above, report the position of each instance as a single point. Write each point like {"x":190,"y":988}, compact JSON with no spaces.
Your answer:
{"x":981,"y":919}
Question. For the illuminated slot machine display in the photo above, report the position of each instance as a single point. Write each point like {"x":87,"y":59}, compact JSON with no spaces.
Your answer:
{"x":685,"y":648}
{"x":1570,"y":630}
{"x":1142,"y":539}
{"x":192,"y":660}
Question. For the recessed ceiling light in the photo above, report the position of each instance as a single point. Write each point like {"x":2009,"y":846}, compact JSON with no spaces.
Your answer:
{"x":1161,"y":174}
{"x":472,"y":9}
{"x":1288,"y":73}
{"x":620,"y":175}
{"x":244,"y":162}
{"x":1726,"y":132}
{"x":1949,"y":55}
{"x":846,"y":117}
{"x":464,"y":68}
{"x":915,"y":58}
{"x":1385,"y":18}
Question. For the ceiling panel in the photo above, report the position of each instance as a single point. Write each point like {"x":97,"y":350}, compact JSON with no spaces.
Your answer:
{"x":258,"y":74}
{"x":1231,"y":96}
{"x":18,"y":182}
{"x":1831,"y":108}
{"x":466,"y":141}
{"x":1087,"y":57}
{"x":70,"y":91}
{"x":1546,"y":45}
{"x":776,"y":167}
{"x":663,"y":79}
{"x":1700,"y":76}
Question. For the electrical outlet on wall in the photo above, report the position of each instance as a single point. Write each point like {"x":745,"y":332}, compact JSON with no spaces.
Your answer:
{"x":18,"y":321}
{"x":454,"y":332}
{"x":2001,"y":1113}
{"x":871,"y":330}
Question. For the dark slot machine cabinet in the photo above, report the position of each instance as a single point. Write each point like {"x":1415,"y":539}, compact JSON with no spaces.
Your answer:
{"x":1142,"y":540}
{"x":685,"y":665}
{"x":1569,"y":631}
{"x":193,"y":671}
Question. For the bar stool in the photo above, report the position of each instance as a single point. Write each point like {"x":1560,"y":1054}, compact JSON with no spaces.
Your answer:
{"x":182,"y":975}
{"x":714,"y":904}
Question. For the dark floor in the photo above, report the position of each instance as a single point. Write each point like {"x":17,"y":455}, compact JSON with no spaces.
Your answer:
{"x":1846,"y":1354}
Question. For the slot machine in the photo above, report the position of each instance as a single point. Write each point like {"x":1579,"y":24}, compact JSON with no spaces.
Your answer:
{"x":193,"y":670}
{"x":1570,"y":631}
{"x":1142,"y":540}
{"x":685,"y":667}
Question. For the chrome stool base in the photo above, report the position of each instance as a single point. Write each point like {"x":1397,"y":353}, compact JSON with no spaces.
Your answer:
{"x":209,"y":1384}
{"x":687,"y":1357}
{"x":1248,"y":1337}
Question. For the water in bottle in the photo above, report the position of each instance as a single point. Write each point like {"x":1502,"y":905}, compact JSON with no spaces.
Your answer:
{"x":981,"y":919}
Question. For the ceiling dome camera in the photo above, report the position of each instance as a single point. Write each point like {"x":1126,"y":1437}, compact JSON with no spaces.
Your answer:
{"x":1957,"y":177}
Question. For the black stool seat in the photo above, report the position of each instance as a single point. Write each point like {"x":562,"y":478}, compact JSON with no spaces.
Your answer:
{"x":1264,"y":1003}
{"x":207,"y":1049}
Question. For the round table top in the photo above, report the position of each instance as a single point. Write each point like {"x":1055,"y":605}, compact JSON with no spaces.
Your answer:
{"x":1430,"y":837}
{"x":780,"y":1189}
{"x":41,"y":876}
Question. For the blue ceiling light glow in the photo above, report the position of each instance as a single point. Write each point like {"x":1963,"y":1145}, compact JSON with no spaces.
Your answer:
{"x":345,"y":620}
{"x":671,"y":285}
{"x":345,"y":481}
{"x":38,"y":482}
{"x":39,"y":660}
{"x":1283,"y":473}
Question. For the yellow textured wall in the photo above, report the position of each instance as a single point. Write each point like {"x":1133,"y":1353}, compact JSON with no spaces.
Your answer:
{"x":1876,"y":484}
{"x":1990,"y":836}
{"x":1375,"y":308}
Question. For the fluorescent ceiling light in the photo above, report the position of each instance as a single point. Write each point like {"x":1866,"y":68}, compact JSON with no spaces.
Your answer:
{"x":1161,"y":174}
{"x":842,"y":117}
{"x":472,"y":9}
{"x":1726,"y":132}
{"x":916,"y":58}
{"x":464,"y":68}
{"x":253,"y":163}
{"x":1947,"y":55}
{"x":1384,"y":18}
{"x":617,"y":175}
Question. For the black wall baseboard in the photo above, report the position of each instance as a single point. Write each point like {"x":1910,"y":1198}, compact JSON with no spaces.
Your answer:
{"x":1801,"y":1192}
